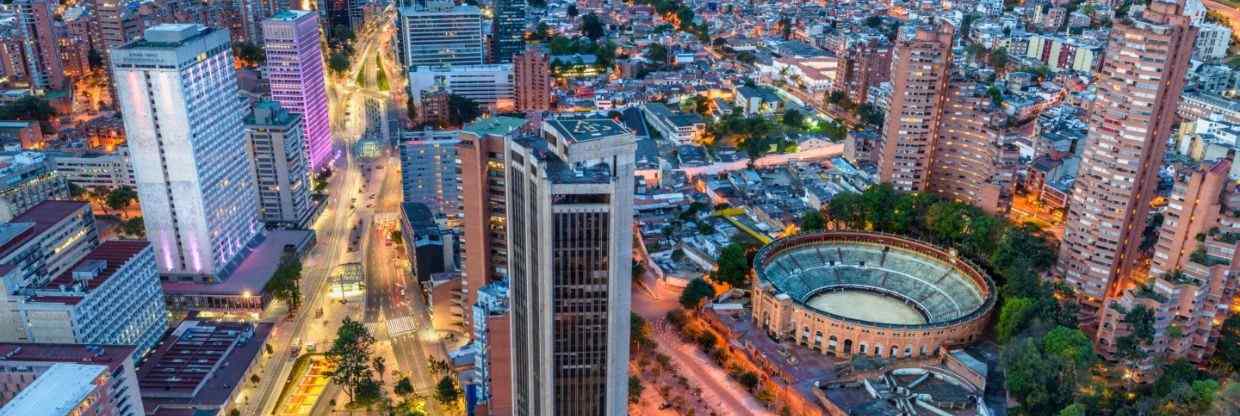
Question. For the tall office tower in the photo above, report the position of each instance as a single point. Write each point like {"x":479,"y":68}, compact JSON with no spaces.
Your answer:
{"x":429,"y":170}
{"x":967,"y":166}
{"x":75,"y":40}
{"x":508,"y":32}
{"x":570,"y":240}
{"x":1130,"y":120}
{"x":177,"y":90}
{"x":295,"y":70}
{"x":281,"y":171}
{"x":532,"y":75}
{"x":481,"y":156}
{"x":919,"y":73}
{"x":440,"y":33}
{"x":42,"y":50}
{"x":337,"y":12}
{"x":1194,"y":279}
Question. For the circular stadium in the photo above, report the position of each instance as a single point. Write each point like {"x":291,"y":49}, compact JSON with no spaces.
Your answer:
{"x":850,"y":293}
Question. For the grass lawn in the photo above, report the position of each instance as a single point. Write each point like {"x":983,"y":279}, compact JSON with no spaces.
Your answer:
{"x":381,"y":77}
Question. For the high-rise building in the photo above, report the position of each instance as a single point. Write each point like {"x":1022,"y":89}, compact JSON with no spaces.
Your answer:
{"x":967,"y":165}
{"x":919,"y":72}
{"x":429,"y":171}
{"x":1194,"y":279}
{"x":508,"y":32}
{"x":295,"y":70}
{"x":177,"y":90}
{"x":570,"y":240}
{"x":65,"y":389}
{"x":532,"y":75}
{"x":438,"y":32}
{"x":866,"y":62}
{"x":42,"y":49}
{"x":1130,"y":120}
{"x":481,"y":155}
{"x":74,"y":40}
{"x":281,"y":172}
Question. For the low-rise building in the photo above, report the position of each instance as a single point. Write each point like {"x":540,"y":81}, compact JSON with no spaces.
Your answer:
{"x":201,"y":366}
{"x":94,"y":169}
{"x":488,"y":85}
{"x":678,"y":126}
{"x":22,"y":364}
{"x":64,"y":390}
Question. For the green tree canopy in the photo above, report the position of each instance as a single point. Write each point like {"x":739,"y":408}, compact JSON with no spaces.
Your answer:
{"x":350,"y":356}
{"x":695,"y":292}
{"x":733,"y":266}
{"x":446,"y":391}
{"x":592,"y":26}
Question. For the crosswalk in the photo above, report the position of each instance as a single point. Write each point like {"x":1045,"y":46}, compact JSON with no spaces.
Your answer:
{"x":403,"y":325}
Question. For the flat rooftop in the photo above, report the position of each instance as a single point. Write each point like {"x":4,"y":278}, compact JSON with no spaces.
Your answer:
{"x":199,"y":363}
{"x":253,"y":273}
{"x":287,"y":15}
{"x":586,"y":128}
{"x":57,"y":392}
{"x":92,"y":271}
{"x":494,"y":126}
{"x":169,"y":36}
{"x":109,"y":355}
{"x":41,"y":218}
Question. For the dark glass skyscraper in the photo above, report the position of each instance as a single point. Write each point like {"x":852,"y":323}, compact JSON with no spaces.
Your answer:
{"x":509,"y":33}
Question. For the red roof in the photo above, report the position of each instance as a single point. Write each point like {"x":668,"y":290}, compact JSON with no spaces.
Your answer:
{"x":112,"y":356}
{"x":115,"y":253}
{"x":44,"y":216}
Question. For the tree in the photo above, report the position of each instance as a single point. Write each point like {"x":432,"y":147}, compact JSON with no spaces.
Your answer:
{"x":638,"y":270}
{"x":695,"y":292}
{"x":251,"y":55}
{"x":1074,"y":409}
{"x":462,"y":110}
{"x":338,"y":62}
{"x":403,"y":387}
{"x":76,"y":191}
{"x":396,"y":236}
{"x":635,"y":389}
{"x":793,"y":118}
{"x":379,"y":364}
{"x":572,"y":11}
{"x":120,"y":198}
{"x":1033,"y":379}
{"x":134,"y":227}
{"x":284,"y":284}
{"x":870,"y":115}
{"x":812,"y":221}
{"x":592,"y":26}
{"x":1228,"y":346}
{"x":1013,"y":316}
{"x":350,"y":356}
{"x":733,"y":266}
{"x":29,"y":108}
{"x":369,"y":393}
{"x":749,"y":380}
{"x":447,"y":392}
{"x":999,"y":59}
{"x":657,"y":53}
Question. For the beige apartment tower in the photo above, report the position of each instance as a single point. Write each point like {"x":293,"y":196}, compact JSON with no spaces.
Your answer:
{"x":1139,"y":87}
{"x":919,"y":73}
{"x":570,"y":241}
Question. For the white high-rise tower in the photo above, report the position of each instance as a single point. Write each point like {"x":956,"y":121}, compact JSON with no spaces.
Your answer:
{"x":177,"y":90}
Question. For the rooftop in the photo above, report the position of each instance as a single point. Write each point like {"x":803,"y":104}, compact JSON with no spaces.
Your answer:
{"x":200,"y":363}
{"x":169,"y":36}
{"x":287,"y":15}
{"x":90,"y":272}
{"x":56,"y":392}
{"x":494,"y":126}
{"x":39,"y":218}
{"x":253,"y":273}
{"x":584,"y":128}
{"x":110,"y":355}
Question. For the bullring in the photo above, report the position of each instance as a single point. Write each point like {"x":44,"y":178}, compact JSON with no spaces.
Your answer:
{"x":848,"y":293}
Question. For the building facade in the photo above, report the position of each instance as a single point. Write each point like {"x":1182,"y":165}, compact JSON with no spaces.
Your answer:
{"x":508,"y":30}
{"x":183,"y":124}
{"x":429,"y":171}
{"x":1129,"y":125}
{"x":278,"y":145}
{"x":26,"y":180}
{"x":488,"y":85}
{"x":919,"y":74}
{"x":295,"y":70}
{"x":531,"y":72}
{"x":45,"y":68}
{"x":481,"y":155}
{"x":966,"y":165}
{"x":24,"y":363}
{"x":439,"y":32}
{"x":570,"y":235}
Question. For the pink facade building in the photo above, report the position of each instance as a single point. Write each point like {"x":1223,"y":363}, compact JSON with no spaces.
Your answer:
{"x":295,"y":69}
{"x":919,"y":73}
{"x":1139,"y":87}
